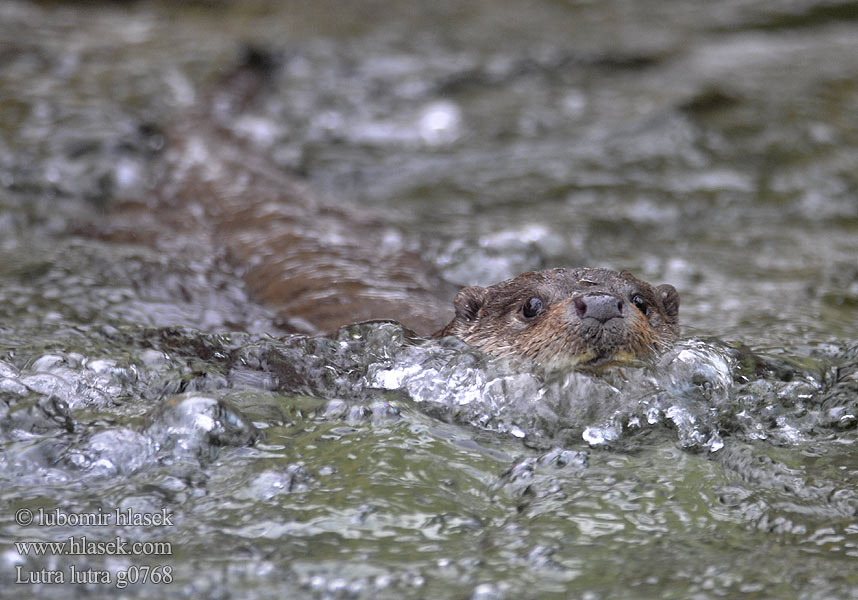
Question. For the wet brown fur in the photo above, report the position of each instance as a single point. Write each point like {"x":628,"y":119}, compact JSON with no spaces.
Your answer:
{"x":493,"y":319}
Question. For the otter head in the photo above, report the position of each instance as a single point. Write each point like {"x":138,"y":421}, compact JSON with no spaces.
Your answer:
{"x":588,"y":318}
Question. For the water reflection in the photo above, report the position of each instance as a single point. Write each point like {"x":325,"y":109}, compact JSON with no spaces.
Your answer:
{"x":710,"y":146}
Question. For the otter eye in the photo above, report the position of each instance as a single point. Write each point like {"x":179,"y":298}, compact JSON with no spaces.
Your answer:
{"x":640,"y":303}
{"x":532,"y":307}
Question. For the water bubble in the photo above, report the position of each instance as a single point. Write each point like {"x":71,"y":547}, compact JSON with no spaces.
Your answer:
{"x":598,"y":436}
{"x":198,"y":425}
{"x":487,"y":591}
{"x":440,"y":123}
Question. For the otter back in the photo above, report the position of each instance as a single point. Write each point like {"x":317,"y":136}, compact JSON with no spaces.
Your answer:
{"x":319,"y":263}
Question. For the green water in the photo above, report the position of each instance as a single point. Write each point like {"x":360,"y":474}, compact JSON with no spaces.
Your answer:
{"x":712,"y":146}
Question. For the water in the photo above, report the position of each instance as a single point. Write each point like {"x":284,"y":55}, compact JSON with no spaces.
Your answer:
{"x":712,"y":147}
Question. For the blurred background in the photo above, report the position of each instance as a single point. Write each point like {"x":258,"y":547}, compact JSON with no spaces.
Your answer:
{"x":710,"y":145}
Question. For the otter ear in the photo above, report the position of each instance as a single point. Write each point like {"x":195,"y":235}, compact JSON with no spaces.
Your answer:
{"x":469,"y":301}
{"x":669,"y":298}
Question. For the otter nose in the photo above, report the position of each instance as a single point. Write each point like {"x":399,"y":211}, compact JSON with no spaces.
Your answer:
{"x":600,"y":307}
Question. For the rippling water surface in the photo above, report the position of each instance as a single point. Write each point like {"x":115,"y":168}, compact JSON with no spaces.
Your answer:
{"x":712,"y":146}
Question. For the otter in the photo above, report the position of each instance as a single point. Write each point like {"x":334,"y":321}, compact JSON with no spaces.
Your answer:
{"x":321,"y":264}
{"x":590,"y":318}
